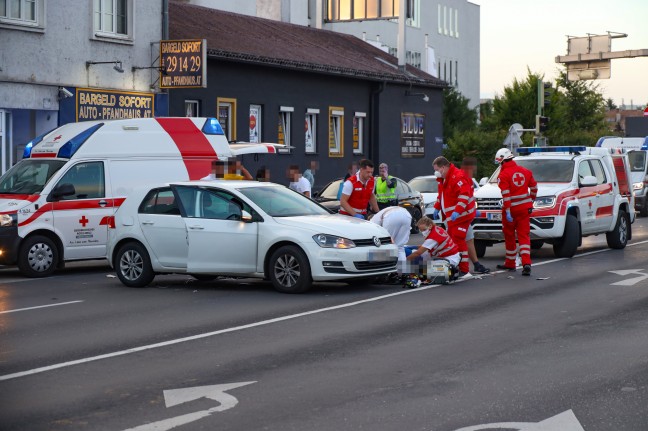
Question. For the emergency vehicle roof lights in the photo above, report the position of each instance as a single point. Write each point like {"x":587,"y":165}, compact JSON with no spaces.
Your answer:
{"x":565,"y":149}
{"x":212,"y":127}
{"x":70,"y":147}
{"x":30,"y":144}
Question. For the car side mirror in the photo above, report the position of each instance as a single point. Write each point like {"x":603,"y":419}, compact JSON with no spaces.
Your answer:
{"x":588,"y":181}
{"x":483,"y":182}
{"x":246,"y":216}
{"x":65,"y":189}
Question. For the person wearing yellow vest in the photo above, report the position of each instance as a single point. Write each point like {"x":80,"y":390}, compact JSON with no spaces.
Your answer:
{"x":385,"y":188}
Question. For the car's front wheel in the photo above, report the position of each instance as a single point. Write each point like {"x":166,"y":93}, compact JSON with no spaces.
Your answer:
{"x":133,"y":265}
{"x":289,"y":270}
{"x":38,"y":257}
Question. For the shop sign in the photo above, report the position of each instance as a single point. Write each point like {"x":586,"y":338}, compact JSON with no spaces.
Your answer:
{"x":96,"y":104}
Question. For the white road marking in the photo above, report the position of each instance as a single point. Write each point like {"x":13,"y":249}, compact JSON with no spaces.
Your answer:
{"x":174,"y":397}
{"x":629,"y":281}
{"x":565,"y":421}
{"x":248,"y":326}
{"x":40,"y":306}
{"x":208,"y":334}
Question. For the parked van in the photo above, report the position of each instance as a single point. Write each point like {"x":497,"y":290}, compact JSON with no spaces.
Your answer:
{"x":637,"y":150}
{"x":56,"y":202}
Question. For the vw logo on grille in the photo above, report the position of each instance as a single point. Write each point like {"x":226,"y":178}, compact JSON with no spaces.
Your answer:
{"x":376,"y":241}
{"x":500,"y":203}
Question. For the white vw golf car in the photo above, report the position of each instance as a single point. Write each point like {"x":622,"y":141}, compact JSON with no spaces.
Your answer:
{"x":245,"y":229}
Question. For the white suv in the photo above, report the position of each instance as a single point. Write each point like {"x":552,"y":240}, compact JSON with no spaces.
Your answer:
{"x":581,"y":191}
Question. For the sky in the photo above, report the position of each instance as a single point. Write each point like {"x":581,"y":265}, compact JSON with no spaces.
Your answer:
{"x":521,"y":34}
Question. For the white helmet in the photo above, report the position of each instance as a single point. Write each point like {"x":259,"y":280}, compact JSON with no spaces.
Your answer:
{"x":503,"y":154}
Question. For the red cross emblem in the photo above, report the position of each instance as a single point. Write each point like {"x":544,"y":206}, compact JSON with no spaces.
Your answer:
{"x":518,"y":179}
{"x":84,"y":221}
{"x":590,"y":204}
{"x":58,"y":137}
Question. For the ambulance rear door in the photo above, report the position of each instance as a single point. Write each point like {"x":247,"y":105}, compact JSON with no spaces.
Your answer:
{"x":81,"y":204}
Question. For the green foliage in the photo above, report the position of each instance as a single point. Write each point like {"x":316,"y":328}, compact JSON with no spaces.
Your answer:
{"x":457,"y":116}
{"x":576,"y":111}
{"x":481,"y":145}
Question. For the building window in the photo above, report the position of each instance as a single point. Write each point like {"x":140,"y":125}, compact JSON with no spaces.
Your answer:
{"x":450,"y":22}
{"x":450,"y":75}
{"x":255,"y":123}
{"x":310,"y":127}
{"x":440,"y":19}
{"x":283,"y":131}
{"x":22,"y":13}
{"x":347,"y":10}
{"x":358,"y":132}
{"x":113,"y":18}
{"x":456,"y":23}
{"x":192,"y":108}
{"x":336,"y":131}
{"x":227,"y":116}
{"x":445,"y":20}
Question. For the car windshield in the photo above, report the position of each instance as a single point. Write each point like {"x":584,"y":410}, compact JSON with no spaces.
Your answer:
{"x":280,"y":201}
{"x":331,"y":191}
{"x":637,"y":160}
{"x":544,"y":171}
{"x":425,"y":185}
{"x":29,"y":176}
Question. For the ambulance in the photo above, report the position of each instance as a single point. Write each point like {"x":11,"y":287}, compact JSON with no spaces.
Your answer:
{"x":56,"y":203}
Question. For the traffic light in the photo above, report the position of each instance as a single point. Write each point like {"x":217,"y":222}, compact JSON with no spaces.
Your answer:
{"x":542,"y":124}
{"x":546,"y":94}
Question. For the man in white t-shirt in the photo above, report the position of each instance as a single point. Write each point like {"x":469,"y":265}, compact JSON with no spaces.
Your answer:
{"x":297,"y":182}
{"x":398,"y":222}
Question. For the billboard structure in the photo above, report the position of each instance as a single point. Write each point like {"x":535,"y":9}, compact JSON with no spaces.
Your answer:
{"x":591,"y":57}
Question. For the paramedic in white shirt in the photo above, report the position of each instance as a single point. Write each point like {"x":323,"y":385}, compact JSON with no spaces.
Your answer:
{"x":398,"y":222}
{"x":298,"y":182}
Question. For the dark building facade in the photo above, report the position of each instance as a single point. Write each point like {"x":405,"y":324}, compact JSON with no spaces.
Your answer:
{"x":332,"y":97}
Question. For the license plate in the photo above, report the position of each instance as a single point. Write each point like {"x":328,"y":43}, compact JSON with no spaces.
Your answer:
{"x":378,"y":255}
{"x":494,"y":216}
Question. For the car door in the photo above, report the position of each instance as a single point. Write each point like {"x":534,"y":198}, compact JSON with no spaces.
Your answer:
{"x":587,"y":197}
{"x":219,"y":241}
{"x":80,"y":219}
{"x":163,"y":228}
{"x":604,"y":197}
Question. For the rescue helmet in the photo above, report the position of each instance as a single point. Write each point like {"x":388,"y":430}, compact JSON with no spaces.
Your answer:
{"x":503,"y":154}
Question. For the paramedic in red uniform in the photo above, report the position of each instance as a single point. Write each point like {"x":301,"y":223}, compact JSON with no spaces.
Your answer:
{"x":358,"y":192}
{"x":456,"y":201}
{"x":519,"y":190}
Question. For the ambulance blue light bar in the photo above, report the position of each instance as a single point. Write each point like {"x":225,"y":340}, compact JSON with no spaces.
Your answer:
{"x":70,"y":147}
{"x":565,"y":149}
{"x":30,"y":144}
{"x":212,"y":127}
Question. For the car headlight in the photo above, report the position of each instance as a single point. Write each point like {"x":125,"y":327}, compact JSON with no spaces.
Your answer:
{"x":638,"y":186}
{"x":332,"y":241}
{"x":544,"y":202}
{"x":8,"y":220}
{"x":430,"y":205}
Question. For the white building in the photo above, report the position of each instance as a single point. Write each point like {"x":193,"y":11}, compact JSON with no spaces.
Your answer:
{"x":442,"y":36}
{"x":51,"y":49}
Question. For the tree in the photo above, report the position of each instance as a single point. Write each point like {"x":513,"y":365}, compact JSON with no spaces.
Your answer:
{"x":579,"y":114}
{"x":457,"y":116}
{"x":610,"y":104}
